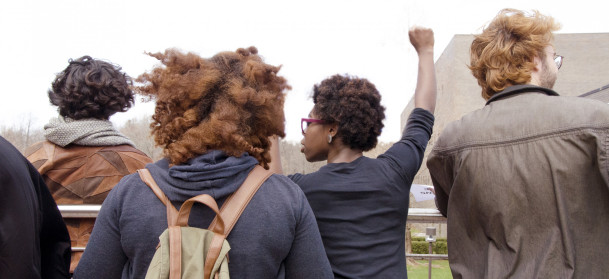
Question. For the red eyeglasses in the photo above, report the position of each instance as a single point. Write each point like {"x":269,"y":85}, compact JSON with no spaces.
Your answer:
{"x":304,"y":123}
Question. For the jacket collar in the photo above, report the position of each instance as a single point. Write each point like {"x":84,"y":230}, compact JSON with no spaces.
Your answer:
{"x":522,"y":88}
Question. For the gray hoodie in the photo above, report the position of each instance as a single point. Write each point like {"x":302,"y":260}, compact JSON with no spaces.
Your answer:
{"x":275,"y":237}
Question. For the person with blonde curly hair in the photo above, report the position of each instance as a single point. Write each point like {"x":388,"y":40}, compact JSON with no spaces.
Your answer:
{"x":214,"y":119}
{"x":521,"y":178}
{"x":361,"y":203}
{"x":504,"y":54}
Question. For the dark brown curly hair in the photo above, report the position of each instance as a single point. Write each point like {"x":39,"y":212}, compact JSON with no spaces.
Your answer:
{"x":231,"y":102}
{"x":91,"y":88}
{"x":353,"y":103}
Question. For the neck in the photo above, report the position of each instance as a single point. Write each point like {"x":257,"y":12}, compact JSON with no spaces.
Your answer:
{"x":534,"y":81}
{"x":343,"y":154}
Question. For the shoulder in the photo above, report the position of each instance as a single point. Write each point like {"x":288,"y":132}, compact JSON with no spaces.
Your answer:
{"x":586,"y":106}
{"x":125,"y":148}
{"x":127,"y":152}
{"x":302,"y":179}
{"x":125,"y":155}
{"x":566,"y":112}
{"x":283,"y":185}
{"x":100,"y":160}
{"x":11,"y":159}
{"x":39,"y":153}
{"x":523,"y":116}
{"x":280,"y":201}
{"x":295,"y":177}
{"x":280,"y":191}
{"x":37,"y":147}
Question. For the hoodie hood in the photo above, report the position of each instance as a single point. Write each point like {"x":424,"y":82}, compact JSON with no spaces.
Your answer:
{"x":213,"y":173}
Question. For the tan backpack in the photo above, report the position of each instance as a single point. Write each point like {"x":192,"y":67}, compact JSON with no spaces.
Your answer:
{"x":187,"y":252}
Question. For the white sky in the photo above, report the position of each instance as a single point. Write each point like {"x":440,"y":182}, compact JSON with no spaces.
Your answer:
{"x":312,"y":40}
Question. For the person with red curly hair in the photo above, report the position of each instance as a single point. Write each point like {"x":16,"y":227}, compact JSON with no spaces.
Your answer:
{"x":213,"y":119}
{"x":524,"y":181}
{"x":360,"y":203}
{"x":83,"y":155}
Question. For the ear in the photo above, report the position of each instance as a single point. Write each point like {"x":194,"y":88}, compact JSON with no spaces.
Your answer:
{"x":538,"y":64}
{"x":536,"y":71}
{"x":333,"y":129}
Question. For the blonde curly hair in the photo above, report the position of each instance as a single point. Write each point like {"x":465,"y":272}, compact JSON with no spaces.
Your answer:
{"x":502,"y":55}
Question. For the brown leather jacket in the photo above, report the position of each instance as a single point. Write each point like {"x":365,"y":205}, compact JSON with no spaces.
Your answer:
{"x":524,"y":183}
{"x":83,"y":175}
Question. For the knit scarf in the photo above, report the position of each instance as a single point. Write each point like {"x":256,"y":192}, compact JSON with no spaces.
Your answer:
{"x":89,"y":132}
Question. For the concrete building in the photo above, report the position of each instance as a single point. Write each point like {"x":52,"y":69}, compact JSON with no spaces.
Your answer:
{"x":584,"y":72}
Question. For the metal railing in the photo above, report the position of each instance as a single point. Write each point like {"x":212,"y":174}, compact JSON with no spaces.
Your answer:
{"x":428,"y":256}
{"x":425,"y":215}
{"x":415,"y":215}
{"x":79,"y":210}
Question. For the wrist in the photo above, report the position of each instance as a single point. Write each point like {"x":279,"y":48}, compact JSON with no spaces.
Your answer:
{"x":425,"y":51}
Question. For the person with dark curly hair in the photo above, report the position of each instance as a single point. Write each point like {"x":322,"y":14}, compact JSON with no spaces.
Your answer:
{"x":84,"y":156}
{"x":361,"y":204}
{"x":213,"y":119}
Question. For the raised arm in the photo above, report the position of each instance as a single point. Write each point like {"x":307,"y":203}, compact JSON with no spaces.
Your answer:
{"x":422,"y":40}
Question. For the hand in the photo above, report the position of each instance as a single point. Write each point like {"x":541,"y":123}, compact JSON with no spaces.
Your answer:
{"x":421,"y":39}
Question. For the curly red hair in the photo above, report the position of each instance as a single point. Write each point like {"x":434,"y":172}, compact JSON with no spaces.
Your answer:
{"x":231,"y":102}
{"x":503,"y":54}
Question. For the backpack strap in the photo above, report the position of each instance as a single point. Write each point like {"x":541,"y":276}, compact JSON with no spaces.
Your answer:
{"x":205,"y":199}
{"x":231,"y":211}
{"x":172,"y":212}
{"x":237,"y":202}
{"x":175,"y":252}
{"x":175,"y":241}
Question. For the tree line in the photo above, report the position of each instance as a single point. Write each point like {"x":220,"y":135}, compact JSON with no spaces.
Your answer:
{"x":24,"y":134}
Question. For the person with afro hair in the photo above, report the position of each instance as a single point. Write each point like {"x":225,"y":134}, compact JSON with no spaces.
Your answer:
{"x":83,"y":155}
{"x":214,"y":119}
{"x":360,"y":203}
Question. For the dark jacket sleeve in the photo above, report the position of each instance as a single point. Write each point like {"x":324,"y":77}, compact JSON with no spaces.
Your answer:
{"x":406,"y":155}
